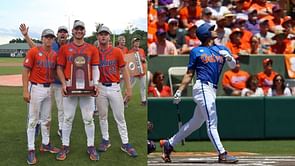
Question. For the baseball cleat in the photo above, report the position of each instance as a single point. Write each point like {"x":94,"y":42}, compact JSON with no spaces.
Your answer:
{"x":167,"y":149}
{"x":93,"y":155}
{"x":129,"y":150}
{"x":48,"y":148}
{"x":225,"y":158}
{"x":62,"y":154}
{"x":104,"y":145}
{"x":31,"y":159}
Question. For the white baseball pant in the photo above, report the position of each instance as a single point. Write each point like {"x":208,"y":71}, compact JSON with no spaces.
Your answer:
{"x":205,"y":96}
{"x":86,"y":106}
{"x":39,"y":111}
{"x":56,"y":90}
{"x":111,"y":95}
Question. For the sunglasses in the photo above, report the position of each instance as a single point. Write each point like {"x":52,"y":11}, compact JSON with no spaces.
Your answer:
{"x":279,"y":80}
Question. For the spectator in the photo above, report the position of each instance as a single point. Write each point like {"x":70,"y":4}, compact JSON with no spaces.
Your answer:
{"x":176,"y":35}
{"x":191,"y":39}
{"x":265,"y":36}
{"x":190,"y":13}
{"x":159,"y":89}
{"x":276,"y":19}
{"x":265,"y":77}
{"x":241,"y":23}
{"x":252,"y":88}
{"x":234,"y":80}
{"x":279,"y":88}
{"x":122,"y":44}
{"x":216,"y":8}
{"x":206,"y":18}
{"x":239,"y":11}
{"x":173,"y":11}
{"x":282,"y":45}
{"x":162,"y":46}
{"x":252,"y":24}
{"x":222,"y":31}
{"x":288,"y":24}
{"x":159,"y":24}
{"x":229,"y":17}
{"x":235,"y":45}
{"x":263,"y":7}
{"x":255,"y":46}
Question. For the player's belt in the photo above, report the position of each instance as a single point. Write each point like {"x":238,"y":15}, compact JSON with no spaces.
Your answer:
{"x":109,"y":84}
{"x":46,"y":85}
{"x":209,"y":84}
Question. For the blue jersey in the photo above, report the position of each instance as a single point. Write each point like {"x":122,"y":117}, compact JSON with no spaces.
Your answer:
{"x":207,"y":62}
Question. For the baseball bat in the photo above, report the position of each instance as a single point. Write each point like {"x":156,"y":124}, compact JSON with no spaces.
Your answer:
{"x":179,"y":121}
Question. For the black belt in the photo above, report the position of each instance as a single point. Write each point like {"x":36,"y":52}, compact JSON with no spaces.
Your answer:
{"x":46,"y":85}
{"x":209,"y":84}
{"x":109,"y":84}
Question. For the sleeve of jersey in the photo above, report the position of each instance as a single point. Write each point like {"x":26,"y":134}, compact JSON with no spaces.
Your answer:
{"x":95,"y":57}
{"x":192,"y":60}
{"x":121,"y":60}
{"x":29,"y":59}
{"x":61,"y":58}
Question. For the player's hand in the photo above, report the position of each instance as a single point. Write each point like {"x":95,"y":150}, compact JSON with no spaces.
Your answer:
{"x":226,"y":54}
{"x":27,"y":97}
{"x":128,"y":94}
{"x":64,"y":90}
{"x":96,"y":89}
{"x":24,"y":29}
{"x":177,"y":96}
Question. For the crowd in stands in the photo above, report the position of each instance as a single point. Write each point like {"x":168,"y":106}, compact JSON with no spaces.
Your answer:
{"x":244,"y":26}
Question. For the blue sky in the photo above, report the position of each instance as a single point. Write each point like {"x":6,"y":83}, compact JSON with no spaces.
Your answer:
{"x":41,"y":14}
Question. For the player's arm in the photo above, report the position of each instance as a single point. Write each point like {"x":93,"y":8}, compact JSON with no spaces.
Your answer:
{"x":25,"y":80}
{"x":187,"y":78}
{"x":61,"y":76}
{"x":24,"y":30}
{"x":126,"y":78}
{"x":95,"y":76}
{"x":230,"y":60}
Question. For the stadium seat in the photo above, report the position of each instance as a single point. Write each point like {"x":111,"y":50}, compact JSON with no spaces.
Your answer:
{"x":175,"y":75}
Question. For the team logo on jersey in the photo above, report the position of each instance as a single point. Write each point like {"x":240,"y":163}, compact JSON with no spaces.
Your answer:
{"x":40,"y":53}
{"x":27,"y":60}
{"x":201,"y":50}
{"x":70,"y":49}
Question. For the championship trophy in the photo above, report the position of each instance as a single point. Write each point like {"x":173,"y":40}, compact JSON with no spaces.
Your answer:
{"x":80,"y":77}
{"x":134,"y":64}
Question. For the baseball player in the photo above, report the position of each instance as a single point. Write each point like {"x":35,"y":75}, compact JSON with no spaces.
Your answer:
{"x":122,"y":44}
{"x":206,"y":61}
{"x":37,"y":76}
{"x":61,"y":39}
{"x":65,"y":61}
{"x":111,"y":62}
{"x":142,"y":77}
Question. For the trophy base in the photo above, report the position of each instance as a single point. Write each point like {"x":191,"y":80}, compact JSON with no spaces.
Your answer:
{"x":80,"y":92}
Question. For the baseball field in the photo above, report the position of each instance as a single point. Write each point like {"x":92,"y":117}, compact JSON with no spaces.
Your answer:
{"x":13,"y":141}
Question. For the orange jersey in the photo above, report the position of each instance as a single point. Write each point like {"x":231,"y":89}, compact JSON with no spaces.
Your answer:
{"x":264,"y":81}
{"x":236,"y":80}
{"x":142,"y":56}
{"x":124,"y":49}
{"x":285,"y":48}
{"x":111,"y":61}
{"x":67,"y":52}
{"x":42,"y":65}
{"x":235,"y":49}
{"x":192,"y":42}
{"x":165,"y":92}
{"x":191,"y":17}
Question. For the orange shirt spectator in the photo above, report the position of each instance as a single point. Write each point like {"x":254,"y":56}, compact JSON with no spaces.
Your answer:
{"x":191,"y":13}
{"x":159,"y":89}
{"x":282,"y":45}
{"x":265,"y":78}
{"x":263,"y":7}
{"x":234,"y":80}
{"x":235,"y":45}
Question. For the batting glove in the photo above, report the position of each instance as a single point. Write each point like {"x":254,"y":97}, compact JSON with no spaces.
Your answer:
{"x":226,"y":54}
{"x":177,"y":96}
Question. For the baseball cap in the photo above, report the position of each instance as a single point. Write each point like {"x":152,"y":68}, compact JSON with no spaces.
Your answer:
{"x":62,"y":28}
{"x":207,"y":11}
{"x":266,"y":61}
{"x":171,"y":20}
{"x":236,"y":30}
{"x":252,"y":10}
{"x":276,"y":8}
{"x":228,"y":14}
{"x":203,"y":32}
{"x":287,"y":19}
{"x":263,"y":20}
{"x":191,"y":25}
{"x":279,"y":32}
{"x":47,"y":32}
{"x":104,"y":29}
{"x":79,"y":24}
{"x":135,"y":39}
{"x":160,"y":32}
{"x":161,"y":11}
{"x":172,"y":6}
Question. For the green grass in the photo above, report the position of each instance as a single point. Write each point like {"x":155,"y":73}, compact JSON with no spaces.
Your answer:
{"x":10,"y":70}
{"x":13,"y":139}
{"x":11,"y":60}
{"x":264,"y":147}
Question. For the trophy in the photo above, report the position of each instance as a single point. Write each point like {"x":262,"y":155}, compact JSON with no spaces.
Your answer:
{"x":134,"y":64}
{"x":80,"y":75}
